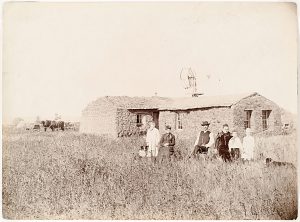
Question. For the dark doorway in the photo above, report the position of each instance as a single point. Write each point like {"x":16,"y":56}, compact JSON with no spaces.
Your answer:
{"x":156,"y":119}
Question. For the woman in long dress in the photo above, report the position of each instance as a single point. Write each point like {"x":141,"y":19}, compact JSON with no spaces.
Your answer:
{"x":152,"y":140}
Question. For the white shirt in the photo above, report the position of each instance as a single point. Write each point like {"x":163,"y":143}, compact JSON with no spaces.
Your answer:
{"x":152,"y":140}
{"x":211,"y":139}
{"x":248,"y":148}
{"x":235,"y":143}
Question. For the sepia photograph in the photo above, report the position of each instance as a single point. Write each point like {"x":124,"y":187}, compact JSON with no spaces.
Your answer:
{"x":149,"y":110}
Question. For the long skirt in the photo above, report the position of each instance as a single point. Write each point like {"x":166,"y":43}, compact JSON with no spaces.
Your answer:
{"x":225,"y":155}
{"x":165,"y":153}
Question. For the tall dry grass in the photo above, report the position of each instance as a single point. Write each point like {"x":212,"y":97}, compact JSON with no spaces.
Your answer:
{"x":65,"y":175}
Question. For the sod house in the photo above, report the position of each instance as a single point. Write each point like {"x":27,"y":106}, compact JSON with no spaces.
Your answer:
{"x":126,"y":116}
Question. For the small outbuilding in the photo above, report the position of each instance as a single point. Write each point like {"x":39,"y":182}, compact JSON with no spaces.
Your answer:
{"x":119,"y":116}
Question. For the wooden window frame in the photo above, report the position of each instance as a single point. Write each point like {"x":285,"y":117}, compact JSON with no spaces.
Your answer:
{"x":142,"y":114}
{"x":139,"y":117}
{"x":247,"y":122}
{"x":265,"y":119}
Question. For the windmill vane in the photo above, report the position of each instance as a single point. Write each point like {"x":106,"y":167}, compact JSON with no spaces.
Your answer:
{"x":189,"y":81}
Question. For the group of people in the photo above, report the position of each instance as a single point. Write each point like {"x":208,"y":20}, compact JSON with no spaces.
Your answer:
{"x":159,"y":146}
{"x":226,"y":145}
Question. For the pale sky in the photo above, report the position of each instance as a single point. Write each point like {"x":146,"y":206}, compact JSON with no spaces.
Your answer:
{"x":58,"y":57}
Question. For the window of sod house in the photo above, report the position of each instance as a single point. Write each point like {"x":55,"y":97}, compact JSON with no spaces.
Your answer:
{"x":265,"y":119}
{"x":178,"y":121}
{"x":139,"y":117}
{"x":247,"y":121}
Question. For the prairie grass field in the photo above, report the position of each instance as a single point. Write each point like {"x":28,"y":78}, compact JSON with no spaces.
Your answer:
{"x":67,"y":175}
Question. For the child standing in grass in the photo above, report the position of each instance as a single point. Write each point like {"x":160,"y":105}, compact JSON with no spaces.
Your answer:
{"x":235,"y":146}
{"x":222,"y":143}
{"x":248,"y":146}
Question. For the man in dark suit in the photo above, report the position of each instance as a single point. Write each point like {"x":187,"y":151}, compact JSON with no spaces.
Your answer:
{"x":204,"y":141}
{"x":167,"y":143}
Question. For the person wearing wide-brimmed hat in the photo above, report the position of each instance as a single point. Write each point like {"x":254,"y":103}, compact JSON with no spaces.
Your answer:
{"x":167,"y":143}
{"x":204,"y":141}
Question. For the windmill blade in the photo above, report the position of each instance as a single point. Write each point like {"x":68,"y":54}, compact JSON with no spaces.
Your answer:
{"x":184,"y":79}
{"x":191,"y":73}
{"x":183,"y":74}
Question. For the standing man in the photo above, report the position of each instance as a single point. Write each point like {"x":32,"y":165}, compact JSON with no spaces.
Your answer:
{"x":204,"y":141}
{"x":222,"y":143}
{"x":167,"y":143}
{"x":152,"y":140}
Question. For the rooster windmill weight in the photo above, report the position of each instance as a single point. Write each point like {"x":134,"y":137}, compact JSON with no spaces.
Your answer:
{"x":189,"y":81}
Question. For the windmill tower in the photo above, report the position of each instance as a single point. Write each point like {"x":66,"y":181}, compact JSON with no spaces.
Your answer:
{"x":189,"y":81}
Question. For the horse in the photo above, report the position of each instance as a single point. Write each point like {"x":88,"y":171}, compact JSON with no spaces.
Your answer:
{"x":53,"y":125}
{"x":46,"y":124}
{"x":57,"y":125}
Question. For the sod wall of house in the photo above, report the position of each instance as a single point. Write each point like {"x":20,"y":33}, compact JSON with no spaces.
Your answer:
{"x":257,"y":103}
{"x":99,"y":120}
{"x":126,"y":122}
{"x":192,"y":119}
